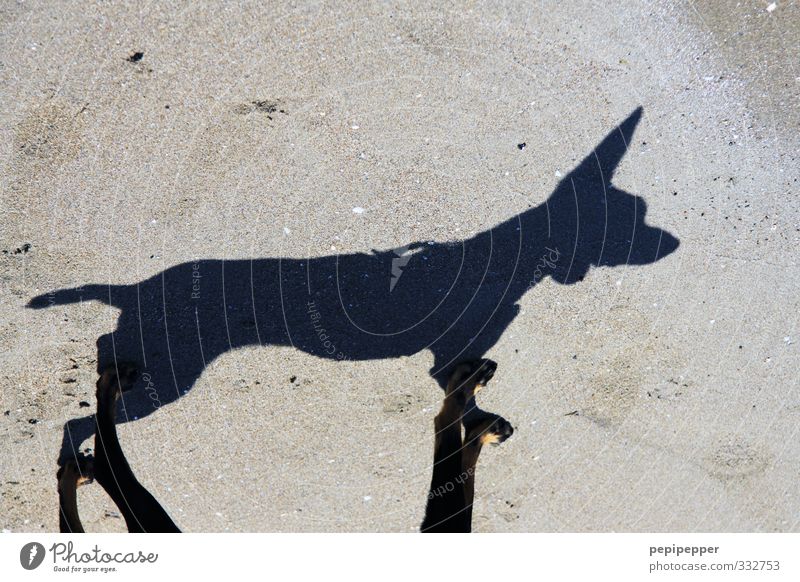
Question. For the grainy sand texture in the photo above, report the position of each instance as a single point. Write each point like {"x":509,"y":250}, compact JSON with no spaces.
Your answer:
{"x":660,"y":397}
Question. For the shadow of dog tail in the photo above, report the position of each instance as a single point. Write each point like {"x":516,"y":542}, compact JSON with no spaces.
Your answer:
{"x":76,"y":295}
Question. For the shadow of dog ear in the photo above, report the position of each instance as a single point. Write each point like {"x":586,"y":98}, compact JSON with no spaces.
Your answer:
{"x":607,"y":155}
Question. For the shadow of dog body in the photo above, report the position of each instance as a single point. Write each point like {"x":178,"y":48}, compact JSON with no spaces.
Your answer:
{"x":453,"y":299}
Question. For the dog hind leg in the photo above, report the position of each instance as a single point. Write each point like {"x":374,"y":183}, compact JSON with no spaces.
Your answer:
{"x":140,"y":509}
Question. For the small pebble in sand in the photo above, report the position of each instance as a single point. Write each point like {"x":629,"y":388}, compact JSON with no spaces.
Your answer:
{"x":772,"y":7}
{"x":358,"y":210}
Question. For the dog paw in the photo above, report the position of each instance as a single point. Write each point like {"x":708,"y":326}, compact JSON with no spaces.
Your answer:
{"x":497,"y":432}
{"x":80,"y":471}
{"x":115,"y":379}
{"x":487,"y":428}
{"x":469,"y":377}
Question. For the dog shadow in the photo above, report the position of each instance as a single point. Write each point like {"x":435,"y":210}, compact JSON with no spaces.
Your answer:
{"x":454,"y":299}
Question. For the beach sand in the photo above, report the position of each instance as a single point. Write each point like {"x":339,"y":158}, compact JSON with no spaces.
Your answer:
{"x":654,"y":398}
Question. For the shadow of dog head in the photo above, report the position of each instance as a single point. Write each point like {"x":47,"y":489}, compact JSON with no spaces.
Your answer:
{"x":597,"y":224}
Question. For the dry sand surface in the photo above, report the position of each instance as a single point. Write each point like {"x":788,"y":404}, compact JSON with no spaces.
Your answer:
{"x":662,"y":397}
